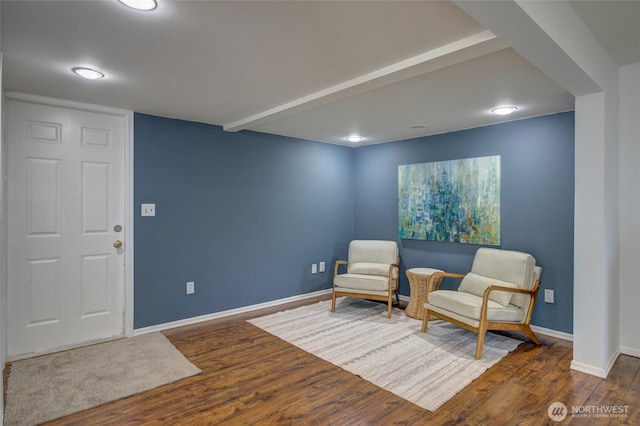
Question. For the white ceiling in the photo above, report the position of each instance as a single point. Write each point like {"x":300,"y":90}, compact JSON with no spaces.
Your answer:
{"x":616,"y":25}
{"x":316,"y":70}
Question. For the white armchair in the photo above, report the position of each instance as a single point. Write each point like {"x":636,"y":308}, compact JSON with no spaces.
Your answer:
{"x":498,"y":294}
{"x":372,"y":272}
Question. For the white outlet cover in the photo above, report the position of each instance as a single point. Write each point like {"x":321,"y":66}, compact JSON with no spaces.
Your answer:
{"x":147,"y":209}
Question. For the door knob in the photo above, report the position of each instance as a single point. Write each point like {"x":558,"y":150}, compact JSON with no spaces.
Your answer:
{"x":117,"y":244}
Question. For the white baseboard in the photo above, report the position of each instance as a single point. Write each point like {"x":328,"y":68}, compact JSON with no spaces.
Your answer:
{"x":589,"y":369}
{"x":593,"y":370}
{"x":626,"y":350}
{"x":612,"y":360}
{"x":222,"y":314}
{"x":552,"y":333}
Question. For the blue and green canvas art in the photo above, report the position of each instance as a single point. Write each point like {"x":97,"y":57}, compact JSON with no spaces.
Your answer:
{"x":456,"y":201}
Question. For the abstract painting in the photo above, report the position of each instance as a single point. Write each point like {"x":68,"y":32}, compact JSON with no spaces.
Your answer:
{"x":455,"y":201}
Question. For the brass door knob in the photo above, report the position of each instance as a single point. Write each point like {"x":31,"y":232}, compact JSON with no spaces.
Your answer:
{"x":117,"y":244}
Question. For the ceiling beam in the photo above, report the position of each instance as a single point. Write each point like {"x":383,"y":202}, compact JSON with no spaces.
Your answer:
{"x":453,"y":53}
{"x":551,"y":36}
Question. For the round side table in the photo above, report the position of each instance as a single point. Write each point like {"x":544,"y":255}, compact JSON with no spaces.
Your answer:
{"x":418,"y":278}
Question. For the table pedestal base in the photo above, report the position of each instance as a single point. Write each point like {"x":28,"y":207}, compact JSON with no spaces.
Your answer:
{"x":418,"y":278}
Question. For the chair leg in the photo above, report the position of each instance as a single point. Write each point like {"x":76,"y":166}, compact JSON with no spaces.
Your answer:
{"x":333,"y":302}
{"x":482,"y":330}
{"x":425,"y":321}
{"x":389,"y":306}
{"x":480,"y":343}
{"x":526,"y":329}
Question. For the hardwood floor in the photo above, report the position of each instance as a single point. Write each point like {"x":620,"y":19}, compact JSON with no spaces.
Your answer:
{"x":252,"y":378}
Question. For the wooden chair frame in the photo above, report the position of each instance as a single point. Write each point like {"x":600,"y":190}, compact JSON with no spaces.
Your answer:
{"x":393,"y":288}
{"x":485,"y":325}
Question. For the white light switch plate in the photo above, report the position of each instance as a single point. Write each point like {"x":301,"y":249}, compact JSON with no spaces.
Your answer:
{"x":147,"y":209}
{"x":314,"y":268}
{"x":322,"y":266}
{"x":548,"y":296}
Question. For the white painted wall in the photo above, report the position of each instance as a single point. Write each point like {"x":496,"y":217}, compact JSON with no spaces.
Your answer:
{"x":590,"y":290}
{"x":596,"y":245}
{"x":3,"y":238}
{"x":612,"y":221}
{"x":630,"y":209}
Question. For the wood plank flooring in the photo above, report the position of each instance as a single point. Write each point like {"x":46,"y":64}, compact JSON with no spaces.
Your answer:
{"x":252,"y":378}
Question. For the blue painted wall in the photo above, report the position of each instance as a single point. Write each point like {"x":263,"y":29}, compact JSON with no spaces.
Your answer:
{"x":244,"y":215}
{"x":537,"y":201}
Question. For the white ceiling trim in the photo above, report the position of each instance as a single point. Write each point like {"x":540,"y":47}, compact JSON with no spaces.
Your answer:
{"x":471,"y":47}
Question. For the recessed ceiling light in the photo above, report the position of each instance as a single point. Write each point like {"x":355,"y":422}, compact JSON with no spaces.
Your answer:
{"x":87,"y":73}
{"x":145,"y":5}
{"x":418,"y":126}
{"x":504,"y":110}
{"x":355,"y":138}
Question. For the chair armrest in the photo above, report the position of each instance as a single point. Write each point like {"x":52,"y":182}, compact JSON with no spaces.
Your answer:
{"x":447,"y":274}
{"x":394,"y":279}
{"x":485,"y":297}
{"x":533,"y":292}
{"x":338,"y":263}
{"x":397,"y":267}
{"x":435,"y":275}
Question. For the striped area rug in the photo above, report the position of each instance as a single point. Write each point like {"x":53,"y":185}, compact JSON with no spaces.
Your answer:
{"x":424,"y":368}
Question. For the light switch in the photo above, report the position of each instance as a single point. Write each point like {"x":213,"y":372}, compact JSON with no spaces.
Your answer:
{"x":314,"y":268}
{"x":549,"y":296}
{"x":322,"y":266}
{"x":147,"y":209}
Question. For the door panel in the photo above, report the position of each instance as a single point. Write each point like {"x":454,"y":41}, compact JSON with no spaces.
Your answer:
{"x":95,"y":197}
{"x":42,"y":286}
{"x":65,"y":195}
{"x":43,"y":196}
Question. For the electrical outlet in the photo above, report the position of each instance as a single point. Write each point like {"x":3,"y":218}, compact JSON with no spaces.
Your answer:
{"x":191,"y":287}
{"x":147,"y":209}
{"x":548,"y":296}
{"x":314,"y":268}
{"x":322,"y":267}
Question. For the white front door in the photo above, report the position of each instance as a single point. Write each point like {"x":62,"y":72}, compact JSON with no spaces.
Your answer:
{"x":65,"y":212}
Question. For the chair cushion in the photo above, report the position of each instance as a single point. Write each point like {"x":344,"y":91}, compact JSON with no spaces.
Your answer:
{"x":469,"y":305}
{"x":373,"y":251}
{"x":366,"y":268}
{"x":477,"y":284}
{"x":362,"y":282}
{"x":523,"y":300}
{"x":506,"y":265}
